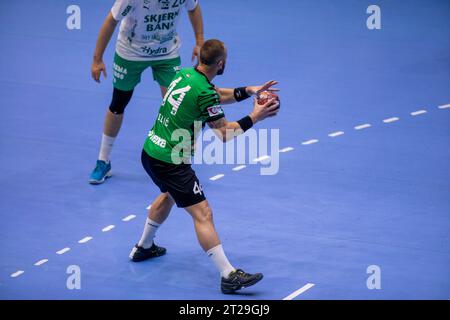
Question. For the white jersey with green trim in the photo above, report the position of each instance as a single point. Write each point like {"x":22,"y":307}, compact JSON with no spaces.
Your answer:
{"x":148,"y":28}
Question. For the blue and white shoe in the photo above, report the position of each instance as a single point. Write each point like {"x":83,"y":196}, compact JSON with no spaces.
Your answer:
{"x":101,"y":172}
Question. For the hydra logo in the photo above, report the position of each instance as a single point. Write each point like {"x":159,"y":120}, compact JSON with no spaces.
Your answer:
{"x":151,"y":52}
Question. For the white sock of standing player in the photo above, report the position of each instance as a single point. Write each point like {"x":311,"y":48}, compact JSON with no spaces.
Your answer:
{"x":219,"y":258}
{"x":148,"y":234}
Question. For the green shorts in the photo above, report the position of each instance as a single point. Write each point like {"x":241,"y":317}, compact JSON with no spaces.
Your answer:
{"x":127,"y":73}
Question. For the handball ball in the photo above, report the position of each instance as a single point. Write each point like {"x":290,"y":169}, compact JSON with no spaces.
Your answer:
{"x":264,"y":96}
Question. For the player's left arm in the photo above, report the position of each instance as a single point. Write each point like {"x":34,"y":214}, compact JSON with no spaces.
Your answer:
{"x":228,"y":95}
{"x":195,"y":16}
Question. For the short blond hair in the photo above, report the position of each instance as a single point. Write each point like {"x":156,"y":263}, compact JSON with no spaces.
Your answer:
{"x":211,"y":51}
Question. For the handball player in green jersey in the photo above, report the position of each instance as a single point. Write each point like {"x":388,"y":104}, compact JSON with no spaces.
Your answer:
{"x":191,"y":99}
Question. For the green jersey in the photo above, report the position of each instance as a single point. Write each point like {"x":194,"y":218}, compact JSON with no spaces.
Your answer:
{"x":191,"y":101}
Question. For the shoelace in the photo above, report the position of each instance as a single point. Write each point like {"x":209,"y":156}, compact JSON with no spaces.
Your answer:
{"x":240,"y":272}
{"x":100,"y":166}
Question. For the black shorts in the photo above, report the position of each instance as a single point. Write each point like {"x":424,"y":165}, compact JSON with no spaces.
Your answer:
{"x":177,"y":179}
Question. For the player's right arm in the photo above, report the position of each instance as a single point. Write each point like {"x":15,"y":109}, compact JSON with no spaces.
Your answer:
{"x":227,"y":130}
{"x":104,"y":36}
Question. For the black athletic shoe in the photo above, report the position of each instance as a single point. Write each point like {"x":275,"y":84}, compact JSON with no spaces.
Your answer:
{"x":140,"y":254}
{"x":239,"y":279}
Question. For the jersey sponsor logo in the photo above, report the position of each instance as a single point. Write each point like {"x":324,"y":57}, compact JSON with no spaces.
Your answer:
{"x":214,"y":110}
{"x":120,"y":69}
{"x":154,"y":52}
{"x":164,"y":21}
{"x":160,"y":37}
{"x":157,"y":18}
{"x":119,"y":72}
{"x":157,"y":140}
{"x":167,"y":37}
{"x":160,"y":26}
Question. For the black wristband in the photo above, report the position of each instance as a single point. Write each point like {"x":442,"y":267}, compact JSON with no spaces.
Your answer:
{"x":245,"y":123}
{"x":240,"y":94}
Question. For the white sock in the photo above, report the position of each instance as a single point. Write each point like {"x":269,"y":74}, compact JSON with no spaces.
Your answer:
{"x":106,"y":147}
{"x":220,"y":260}
{"x":148,"y":234}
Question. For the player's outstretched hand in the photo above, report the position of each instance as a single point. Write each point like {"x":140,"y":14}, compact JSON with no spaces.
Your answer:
{"x":262,"y":111}
{"x":265,"y":87}
{"x":97,"y":68}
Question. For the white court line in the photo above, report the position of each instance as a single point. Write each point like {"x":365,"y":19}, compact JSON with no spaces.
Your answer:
{"x":363,"y":126}
{"x":305,"y":143}
{"x":41,"y":262}
{"x":299,"y":291}
{"x":85,"y":239}
{"x":62,"y":251}
{"x":17,"y":273}
{"x":108,"y":228}
{"x":389,"y":120}
{"x":128,"y":218}
{"x":336,"y":134}
{"x":217,"y":177}
{"x":445,"y":106}
{"x":238,"y":168}
{"x":418,"y":112}
{"x":287,"y":149}
{"x":262,"y":158}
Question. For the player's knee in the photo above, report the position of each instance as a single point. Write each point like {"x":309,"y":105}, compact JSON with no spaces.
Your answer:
{"x":162,"y":202}
{"x":205,"y":215}
{"x":119,"y":101}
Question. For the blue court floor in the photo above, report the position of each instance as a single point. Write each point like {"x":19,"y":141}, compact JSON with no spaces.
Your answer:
{"x":364,"y":175}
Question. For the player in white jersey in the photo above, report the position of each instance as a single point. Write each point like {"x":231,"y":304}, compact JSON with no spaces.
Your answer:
{"x":147,"y":38}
